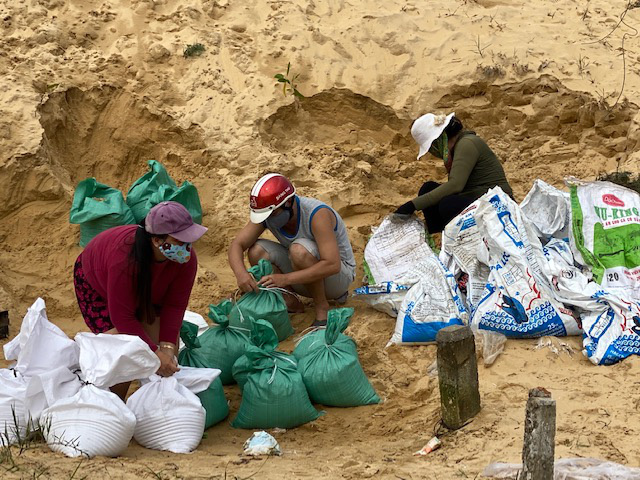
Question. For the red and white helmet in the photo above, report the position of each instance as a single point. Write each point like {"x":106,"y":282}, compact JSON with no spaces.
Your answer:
{"x":269,"y":193}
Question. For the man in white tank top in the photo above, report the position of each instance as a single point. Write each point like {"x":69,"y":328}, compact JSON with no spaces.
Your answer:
{"x":312,"y":255}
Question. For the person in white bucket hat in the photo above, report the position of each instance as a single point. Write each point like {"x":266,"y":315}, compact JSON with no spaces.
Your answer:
{"x":472,"y":166}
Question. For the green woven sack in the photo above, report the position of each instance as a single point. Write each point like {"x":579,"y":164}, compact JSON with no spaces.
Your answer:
{"x":96,"y":208}
{"x":274,"y":394}
{"x":212,"y":399}
{"x":262,"y":336}
{"x":157,"y":186}
{"x":222,"y":344}
{"x":328,"y":363}
{"x":267,"y":304}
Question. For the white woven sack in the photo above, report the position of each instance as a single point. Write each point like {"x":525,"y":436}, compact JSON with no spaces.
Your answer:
{"x":13,"y":413}
{"x":40,"y":345}
{"x":95,"y":421}
{"x":169,"y":414}
{"x":396,"y":251}
{"x":45,"y":389}
{"x":548,"y":210}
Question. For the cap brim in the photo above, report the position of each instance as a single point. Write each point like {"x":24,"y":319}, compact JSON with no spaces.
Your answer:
{"x":190,"y":234}
{"x":259,"y":217}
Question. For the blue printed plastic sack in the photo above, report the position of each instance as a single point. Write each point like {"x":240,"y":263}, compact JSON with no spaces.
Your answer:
{"x":385,"y":297}
{"x":518,"y":300}
{"x":430,"y":305}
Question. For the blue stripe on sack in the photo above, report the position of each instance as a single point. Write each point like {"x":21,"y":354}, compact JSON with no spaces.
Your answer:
{"x":423,"y":332}
{"x":318,"y":208}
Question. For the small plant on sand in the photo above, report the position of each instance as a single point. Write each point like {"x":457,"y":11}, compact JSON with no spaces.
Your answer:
{"x":288,"y":81}
{"x":194,"y":50}
{"x":18,"y":439}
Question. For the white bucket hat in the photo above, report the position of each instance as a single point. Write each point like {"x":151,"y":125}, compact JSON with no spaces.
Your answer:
{"x":427,"y":128}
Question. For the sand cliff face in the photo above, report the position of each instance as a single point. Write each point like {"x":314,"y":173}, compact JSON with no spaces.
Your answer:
{"x":96,"y":88}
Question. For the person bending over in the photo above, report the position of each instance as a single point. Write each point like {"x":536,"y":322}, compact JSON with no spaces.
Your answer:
{"x":137,"y":279}
{"x":312,"y":255}
{"x":472,"y":167}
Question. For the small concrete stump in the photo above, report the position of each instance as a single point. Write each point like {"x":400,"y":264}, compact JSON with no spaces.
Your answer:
{"x":458,"y":375}
{"x":538,"y":450}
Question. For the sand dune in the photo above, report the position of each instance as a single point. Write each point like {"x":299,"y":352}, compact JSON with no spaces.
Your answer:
{"x":97,"y":88}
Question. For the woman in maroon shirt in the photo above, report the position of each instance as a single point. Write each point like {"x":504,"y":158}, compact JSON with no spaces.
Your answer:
{"x":137,"y":279}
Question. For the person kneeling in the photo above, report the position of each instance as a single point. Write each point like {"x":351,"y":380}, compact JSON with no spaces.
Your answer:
{"x":312,"y":256}
{"x":472,"y":166}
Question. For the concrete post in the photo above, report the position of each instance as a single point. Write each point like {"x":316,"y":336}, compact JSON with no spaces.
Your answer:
{"x":458,"y":375}
{"x":539,"y":436}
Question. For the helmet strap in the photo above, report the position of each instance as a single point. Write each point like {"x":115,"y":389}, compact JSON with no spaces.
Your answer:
{"x":290,"y":207}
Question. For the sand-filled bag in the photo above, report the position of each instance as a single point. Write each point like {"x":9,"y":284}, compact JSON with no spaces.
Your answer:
{"x":96,"y":208}
{"x":225,"y":343}
{"x":213,"y":399}
{"x":262,"y":336}
{"x":274,"y":394}
{"x":39,"y":349}
{"x":266,"y":304}
{"x":169,"y":415}
{"x":157,"y":186}
{"x":95,"y":421}
{"x":329,"y":365}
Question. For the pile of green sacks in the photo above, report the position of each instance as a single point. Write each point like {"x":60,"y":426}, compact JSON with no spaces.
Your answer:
{"x":97,"y":207}
{"x":278,"y":389}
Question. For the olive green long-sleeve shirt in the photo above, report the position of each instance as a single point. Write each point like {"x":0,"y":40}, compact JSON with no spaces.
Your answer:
{"x":475,"y":169}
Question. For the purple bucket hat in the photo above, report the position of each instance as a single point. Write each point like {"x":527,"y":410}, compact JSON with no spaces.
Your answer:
{"x":172,"y":218}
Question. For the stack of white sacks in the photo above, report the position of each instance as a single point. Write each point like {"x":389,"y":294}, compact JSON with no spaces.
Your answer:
{"x":61,"y":387}
{"x":554,"y":265}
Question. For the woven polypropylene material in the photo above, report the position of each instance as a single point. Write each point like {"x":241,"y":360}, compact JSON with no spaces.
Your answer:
{"x":157,"y":186}
{"x":215,"y":403}
{"x":97,"y":207}
{"x":334,"y":377}
{"x":12,"y":428}
{"x":274,"y":397}
{"x":266,"y":305}
{"x":167,"y":432}
{"x":88,"y":432}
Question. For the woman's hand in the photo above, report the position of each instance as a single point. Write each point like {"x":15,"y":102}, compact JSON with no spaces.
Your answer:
{"x":406,"y":208}
{"x":274,"y":280}
{"x":247,"y":283}
{"x":168,"y":363}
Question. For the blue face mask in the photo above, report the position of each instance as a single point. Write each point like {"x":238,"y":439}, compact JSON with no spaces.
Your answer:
{"x":281,"y":219}
{"x":176,"y":253}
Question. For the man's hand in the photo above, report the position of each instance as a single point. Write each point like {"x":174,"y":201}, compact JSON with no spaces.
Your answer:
{"x":247,"y":283}
{"x":274,"y":280}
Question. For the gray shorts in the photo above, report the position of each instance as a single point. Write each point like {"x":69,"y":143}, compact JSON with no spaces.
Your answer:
{"x":335,"y":286}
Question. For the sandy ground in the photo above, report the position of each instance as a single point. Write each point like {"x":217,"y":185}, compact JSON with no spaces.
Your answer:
{"x":96,"y":88}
